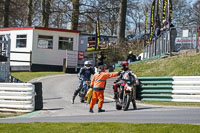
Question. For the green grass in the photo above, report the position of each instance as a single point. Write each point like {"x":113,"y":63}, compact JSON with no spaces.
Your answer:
{"x":172,"y":66}
{"x":97,"y":128}
{"x":27,"y":76}
{"x":188,"y":104}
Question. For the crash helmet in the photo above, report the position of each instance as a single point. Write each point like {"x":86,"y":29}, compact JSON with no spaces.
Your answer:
{"x":87,"y":64}
{"x":124,"y":65}
{"x":130,"y":52}
{"x":102,"y":68}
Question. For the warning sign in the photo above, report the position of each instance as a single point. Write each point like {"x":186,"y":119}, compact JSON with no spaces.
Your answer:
{"x":80,"y":55}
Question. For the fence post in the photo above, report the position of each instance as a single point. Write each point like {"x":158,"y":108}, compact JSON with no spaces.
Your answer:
{"x":30,"y":69}
{"x":64,"y":65}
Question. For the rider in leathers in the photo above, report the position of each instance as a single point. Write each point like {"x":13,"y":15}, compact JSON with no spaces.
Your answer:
{"x":126,"y":75}
{"x":83,"y":75}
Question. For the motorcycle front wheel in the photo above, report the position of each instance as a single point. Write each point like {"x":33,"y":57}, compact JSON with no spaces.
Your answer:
{"x":127,"y":100}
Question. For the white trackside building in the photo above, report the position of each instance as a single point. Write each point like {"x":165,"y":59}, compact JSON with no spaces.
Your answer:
{"x":44,"y":49}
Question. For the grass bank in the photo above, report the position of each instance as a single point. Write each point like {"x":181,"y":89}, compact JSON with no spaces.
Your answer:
{"x":185,"y":65}
{"x":27,"y":76}
{"x":98,"y":128}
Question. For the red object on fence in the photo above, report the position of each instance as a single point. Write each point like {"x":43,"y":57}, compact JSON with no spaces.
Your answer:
{"x":80,"y":55}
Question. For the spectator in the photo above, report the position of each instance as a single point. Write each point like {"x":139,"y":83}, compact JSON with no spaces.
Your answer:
{"x":131,"y":57}
{"x":100,"y":58}
{"x":156,"y":30}
{"x":173,"y":33}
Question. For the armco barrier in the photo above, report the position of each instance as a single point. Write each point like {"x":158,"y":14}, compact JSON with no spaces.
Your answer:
{"x":17,"y":97}
{"x":177,"y":88}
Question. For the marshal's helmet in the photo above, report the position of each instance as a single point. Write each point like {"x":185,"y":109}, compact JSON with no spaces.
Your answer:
{"x":102,"y":68}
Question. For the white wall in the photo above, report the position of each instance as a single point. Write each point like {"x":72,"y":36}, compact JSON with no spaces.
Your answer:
{"x":51,"y":56}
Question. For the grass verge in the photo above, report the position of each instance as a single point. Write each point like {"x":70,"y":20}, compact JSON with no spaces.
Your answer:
{"x":186,"y":65}
{"x":98,"y":128}
{"x":27,"y":76}
{"x":188,"y":104}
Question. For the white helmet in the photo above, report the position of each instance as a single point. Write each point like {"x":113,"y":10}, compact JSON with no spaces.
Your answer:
{"x":87,"y":64}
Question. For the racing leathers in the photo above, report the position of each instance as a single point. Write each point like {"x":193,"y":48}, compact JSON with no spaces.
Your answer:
{"x":83,"y":75}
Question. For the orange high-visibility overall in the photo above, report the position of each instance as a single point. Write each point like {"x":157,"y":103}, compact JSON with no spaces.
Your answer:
{"x":98,"y":83}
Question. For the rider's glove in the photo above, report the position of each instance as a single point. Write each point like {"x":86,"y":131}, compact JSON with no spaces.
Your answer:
{"x":119,"y":73}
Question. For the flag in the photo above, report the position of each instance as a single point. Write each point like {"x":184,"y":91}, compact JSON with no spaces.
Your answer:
{"x":170,"y":11}
{"x":152,"y":20}
{"x":145,"y":31}
{"x":97,"y":34}
{"x":164,"y":9}
{"x":158,"y":14}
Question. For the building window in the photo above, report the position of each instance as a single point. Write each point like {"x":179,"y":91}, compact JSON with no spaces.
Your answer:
{"x":65,"y":43}
{"x":45,"y":42}
{"x":21,"y":41}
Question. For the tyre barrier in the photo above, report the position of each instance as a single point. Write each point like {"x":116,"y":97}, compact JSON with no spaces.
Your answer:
{"x":17,"y":97}
{"x":177,"y":88}
{"x":38,"y":95}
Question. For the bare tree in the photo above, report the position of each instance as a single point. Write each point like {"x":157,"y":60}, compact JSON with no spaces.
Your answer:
{"x":46,"y":5}
{"x":30,"y":13}
{"x":75,"y":14}
{"x":6,"y":13}
{"x":122,"y":21}
{"x":196,"y":10}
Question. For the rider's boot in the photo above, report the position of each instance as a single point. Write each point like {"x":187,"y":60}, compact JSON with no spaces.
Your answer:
{"x":134,"y":105}
{"x":101,"y":110}
{"x":74,"y":96}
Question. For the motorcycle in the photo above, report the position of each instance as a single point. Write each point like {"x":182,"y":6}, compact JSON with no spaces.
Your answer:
{"x":83,"y":91}
{"x":128,"y":95}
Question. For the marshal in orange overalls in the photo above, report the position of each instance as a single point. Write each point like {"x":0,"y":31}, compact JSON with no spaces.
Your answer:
{"x":98,"y":83}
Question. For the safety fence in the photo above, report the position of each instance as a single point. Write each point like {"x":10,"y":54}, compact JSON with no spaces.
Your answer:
{"x":173,"y":40}
{"x":17,"y":97}
{"x":177,"y":88}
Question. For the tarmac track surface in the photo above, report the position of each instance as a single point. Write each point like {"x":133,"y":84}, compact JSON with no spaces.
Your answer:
{"x":57,"y":94}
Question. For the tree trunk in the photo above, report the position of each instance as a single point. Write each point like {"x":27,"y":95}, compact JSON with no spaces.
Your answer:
{"x":75,"y":14}
{"x":122,"y":21}
{"x":30,"y":13}
{"x":6,"y":13}
{"x":46,"y":5}
{"x":43,"y":12}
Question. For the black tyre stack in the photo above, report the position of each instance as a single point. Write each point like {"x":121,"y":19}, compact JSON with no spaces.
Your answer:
{"x":38,"y":96}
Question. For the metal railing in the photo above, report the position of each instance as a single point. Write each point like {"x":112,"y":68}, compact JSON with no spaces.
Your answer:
{"x":173,"y":40}
{"x":5,"y":55}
